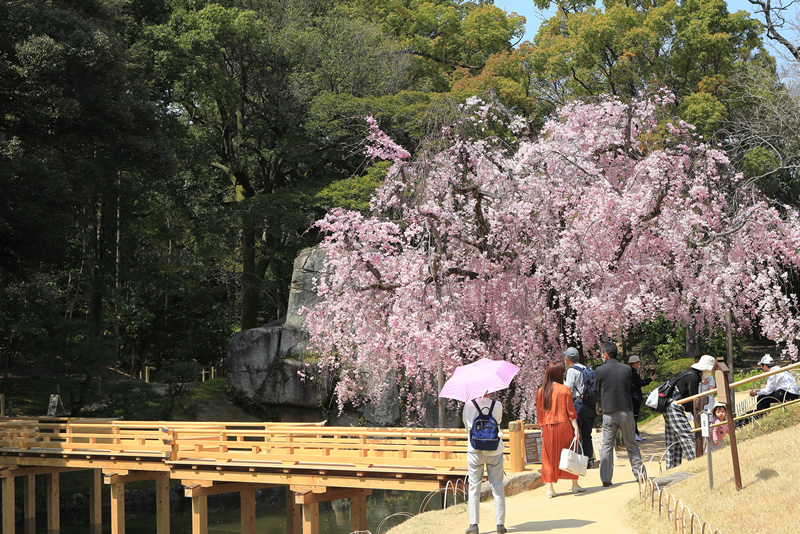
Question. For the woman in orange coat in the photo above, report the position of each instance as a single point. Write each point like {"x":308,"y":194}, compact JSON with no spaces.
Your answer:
{"x":557,"y":418}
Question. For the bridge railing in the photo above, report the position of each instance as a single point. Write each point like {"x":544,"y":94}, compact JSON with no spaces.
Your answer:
{"x":297,"y":445}
{"x":348,"y":447}
{"x":80,"y":436}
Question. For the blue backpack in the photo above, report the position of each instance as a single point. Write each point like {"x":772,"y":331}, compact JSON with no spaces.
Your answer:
{"x":589,"y":389}
{"x":485,"y":432}
{"x":585,"y":403}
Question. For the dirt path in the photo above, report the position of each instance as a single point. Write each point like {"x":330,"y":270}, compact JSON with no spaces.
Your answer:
{"x":598,"y":510}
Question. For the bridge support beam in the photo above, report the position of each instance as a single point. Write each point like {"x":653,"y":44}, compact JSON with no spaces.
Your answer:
{"x":200,"y":514}
{"x":118,"y":479}
{"x":311,"y":518}
{"x":293,"y":524}
{"x":162,"y":504}
{"x":95,"y":502}
{"x":29,"y":504}
{"x":310,"y":499}
{"x":358,"y":512}
{"x":200,"y":490}
{"x":8,"y":505}
{"x":118,"y":508}
{"x":53,"y":502}
{"x":248,"y":505}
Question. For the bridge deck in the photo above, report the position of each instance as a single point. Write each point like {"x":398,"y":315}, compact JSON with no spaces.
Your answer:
{"x":272,"y":453}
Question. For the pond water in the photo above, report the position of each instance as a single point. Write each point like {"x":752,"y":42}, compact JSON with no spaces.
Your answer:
{"x":223,"y":516}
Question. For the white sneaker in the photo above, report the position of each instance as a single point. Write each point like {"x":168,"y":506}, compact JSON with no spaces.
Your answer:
{"x":639,"y":438}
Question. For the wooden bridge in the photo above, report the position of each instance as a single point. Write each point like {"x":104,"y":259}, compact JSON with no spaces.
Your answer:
{"x":315,"y":463}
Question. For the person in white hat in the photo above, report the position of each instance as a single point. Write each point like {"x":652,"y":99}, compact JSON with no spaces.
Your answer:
{"x":677,"y":430}
{"x":781,"y":387}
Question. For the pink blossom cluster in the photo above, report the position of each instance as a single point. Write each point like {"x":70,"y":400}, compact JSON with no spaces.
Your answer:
{"x":597,"y":225}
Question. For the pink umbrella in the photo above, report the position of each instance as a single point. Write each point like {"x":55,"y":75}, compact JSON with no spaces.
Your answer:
{"x":478,"y":378}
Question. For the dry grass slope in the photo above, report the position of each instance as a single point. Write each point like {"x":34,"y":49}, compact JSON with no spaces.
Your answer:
{"x":769,"y":455}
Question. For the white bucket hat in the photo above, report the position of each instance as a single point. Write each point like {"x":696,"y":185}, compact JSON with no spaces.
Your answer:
{"x":706,"y":363}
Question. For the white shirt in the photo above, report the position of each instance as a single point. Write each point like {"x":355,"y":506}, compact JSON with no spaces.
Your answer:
{"x":574,"y":380}
{"x":711,"y":399}
{"x":470,"y":413}
{"x":784,"y":381}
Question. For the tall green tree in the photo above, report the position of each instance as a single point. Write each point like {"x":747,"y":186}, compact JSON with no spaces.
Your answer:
{"x":444,"y":35}
{"x":75,"y":126}
{"x":259,"y":86}
{"x":691,"y":47}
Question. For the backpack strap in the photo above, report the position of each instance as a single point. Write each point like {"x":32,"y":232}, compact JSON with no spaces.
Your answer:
{"x":491,"y":408}
{"x":476,"y":406}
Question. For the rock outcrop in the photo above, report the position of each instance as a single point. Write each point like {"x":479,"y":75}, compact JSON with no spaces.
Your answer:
{"x":263,"y":362}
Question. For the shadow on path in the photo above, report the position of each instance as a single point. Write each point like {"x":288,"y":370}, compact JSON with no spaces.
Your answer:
{"x":552,"y":524}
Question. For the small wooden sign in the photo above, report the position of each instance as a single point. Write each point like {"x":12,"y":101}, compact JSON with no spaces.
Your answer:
{"x":533,"y":444}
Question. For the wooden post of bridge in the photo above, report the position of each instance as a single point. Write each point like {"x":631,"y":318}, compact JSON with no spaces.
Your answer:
{"x":358,"y":512}
{"x":247,"y":496}
{"x":199,"y":514}
{"x":516,"y":442}
{"x":117,"y":481}
{"x":118,"y":508}
{"x":96,"y":502}
{"x":162,"y":504}
{"x":293,"y":524}
{"x":53,"y":502}
{"x":8,"y":505}
{"x":29,"y":504}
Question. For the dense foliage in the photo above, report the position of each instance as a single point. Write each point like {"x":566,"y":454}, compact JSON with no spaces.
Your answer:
{"x":162,"y":161}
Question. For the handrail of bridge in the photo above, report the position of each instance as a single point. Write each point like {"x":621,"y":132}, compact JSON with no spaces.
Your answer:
{"x":279,"y":445}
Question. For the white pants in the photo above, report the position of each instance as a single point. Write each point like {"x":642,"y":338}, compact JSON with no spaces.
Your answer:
{"x":494,"y":466}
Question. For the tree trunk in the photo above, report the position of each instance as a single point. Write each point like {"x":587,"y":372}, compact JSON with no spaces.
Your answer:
{"x":251,"y":284}
{"x":117,"y":281}
{"x":692,"y":347}
{"x":95,"y":303}
{"x":442,"y":401}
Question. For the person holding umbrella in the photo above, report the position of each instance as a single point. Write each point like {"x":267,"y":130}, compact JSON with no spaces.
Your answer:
{"x":472,"y":384}
{"x":556,"y":416}
{"x":491,"y":460}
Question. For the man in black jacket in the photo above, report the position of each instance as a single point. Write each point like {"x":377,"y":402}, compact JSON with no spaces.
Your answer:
{"x":677,"y":431}
{"x":613,"y":380}
{"x":636,"y":390}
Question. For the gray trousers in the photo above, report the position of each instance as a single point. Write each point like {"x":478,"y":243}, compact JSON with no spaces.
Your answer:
{"x":476,"y":460}
{"x":626,"y":423}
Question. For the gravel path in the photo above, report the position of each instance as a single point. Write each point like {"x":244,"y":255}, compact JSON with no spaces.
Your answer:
{"x":598,"y":510}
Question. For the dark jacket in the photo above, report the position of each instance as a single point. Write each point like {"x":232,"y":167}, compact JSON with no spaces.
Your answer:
{"x":687,"y":385}
{"x":613,"y":380}
{"x":637,"y":385}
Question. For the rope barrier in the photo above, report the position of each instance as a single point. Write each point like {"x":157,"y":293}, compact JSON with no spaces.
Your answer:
{"x":675,"y":508}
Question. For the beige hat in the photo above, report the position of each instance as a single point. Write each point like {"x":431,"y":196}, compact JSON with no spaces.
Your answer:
{"x":634,"y":359}
{"x":706,"y":363}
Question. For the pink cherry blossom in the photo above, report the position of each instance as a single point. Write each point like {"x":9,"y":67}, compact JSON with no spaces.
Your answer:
{"x":513,"y":248}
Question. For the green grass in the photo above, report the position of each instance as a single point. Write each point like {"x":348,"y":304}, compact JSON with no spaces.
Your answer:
{"x":209,"y":401}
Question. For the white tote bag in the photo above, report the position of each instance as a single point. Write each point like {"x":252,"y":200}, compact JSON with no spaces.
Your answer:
{"x":573,"y":461}
{"x":652,"y":399}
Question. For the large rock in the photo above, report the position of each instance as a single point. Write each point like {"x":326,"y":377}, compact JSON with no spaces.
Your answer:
{"x":308,"y":267}
{"x":262,"y":362}
{"x":255,"y":368}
